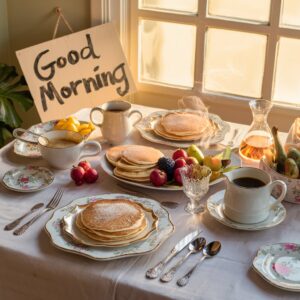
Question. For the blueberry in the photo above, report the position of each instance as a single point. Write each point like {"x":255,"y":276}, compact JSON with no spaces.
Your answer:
{"x":166,"y":164}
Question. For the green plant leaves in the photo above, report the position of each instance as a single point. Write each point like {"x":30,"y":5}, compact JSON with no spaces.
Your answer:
{"x":5,"y":134}
{"x":13,"y":90}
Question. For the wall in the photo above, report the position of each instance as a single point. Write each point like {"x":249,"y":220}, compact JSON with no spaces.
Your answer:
{"x":29,"y":22}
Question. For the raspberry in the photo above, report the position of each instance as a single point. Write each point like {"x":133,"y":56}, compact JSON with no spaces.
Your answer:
{"x":166,"y":164}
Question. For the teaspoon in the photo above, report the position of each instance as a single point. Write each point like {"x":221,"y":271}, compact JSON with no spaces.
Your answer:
{"x":194,"y":247}
{"x":209,"y":251}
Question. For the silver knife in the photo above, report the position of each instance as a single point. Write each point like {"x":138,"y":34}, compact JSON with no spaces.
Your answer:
{"x":157,"y":269}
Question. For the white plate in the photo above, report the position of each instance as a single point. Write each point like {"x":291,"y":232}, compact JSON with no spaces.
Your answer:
{"x":145,"y":127}
{"x":70,"y":228}
{"x":157,"y":237}
{"x":108,"y":169}
{"x":215,"y":207}
{"x":28,"y":179}
{"x":279,"y":264}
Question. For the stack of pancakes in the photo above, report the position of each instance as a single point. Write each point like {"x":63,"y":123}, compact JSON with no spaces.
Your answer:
{"x":182,"y":126}
{"x":112,"y":222}
{"x":133,"y":162}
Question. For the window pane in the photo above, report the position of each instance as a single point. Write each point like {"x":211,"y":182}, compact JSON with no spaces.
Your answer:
{"x":234,"y":62}
{"x":175,"y":6}
{"x":241,"y":10}
{"x":290,"y":13}
{"x":287,"y":72}
{"x":167,"y":53}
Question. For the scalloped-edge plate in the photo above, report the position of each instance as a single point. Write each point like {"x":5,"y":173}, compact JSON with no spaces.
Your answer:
{"x":145,"y":127}
{"x":279,"y":264}
{"x":163,"y":230}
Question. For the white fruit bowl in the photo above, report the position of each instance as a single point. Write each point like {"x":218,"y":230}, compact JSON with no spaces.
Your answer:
{"x":293,"y":185}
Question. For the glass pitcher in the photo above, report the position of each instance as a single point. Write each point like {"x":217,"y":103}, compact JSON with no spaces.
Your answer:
{"x":258,"y":142}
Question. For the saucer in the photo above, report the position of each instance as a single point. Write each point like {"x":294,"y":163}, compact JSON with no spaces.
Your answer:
{"x":28,"y":179}
{"x":279,"y":264}
{"x":215,"y":207}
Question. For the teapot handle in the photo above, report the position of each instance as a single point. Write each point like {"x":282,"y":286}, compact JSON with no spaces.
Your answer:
{"x":91,"y":115}
{"x":283,"y":191}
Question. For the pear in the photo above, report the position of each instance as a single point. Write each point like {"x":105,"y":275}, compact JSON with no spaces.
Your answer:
{"x":280,"y":153}
{"x":290,"y":168}
{"x":295,"y":155}
{"x":194,"y":151}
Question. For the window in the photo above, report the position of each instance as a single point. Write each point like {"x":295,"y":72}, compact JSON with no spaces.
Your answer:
{"x":232,"y":49}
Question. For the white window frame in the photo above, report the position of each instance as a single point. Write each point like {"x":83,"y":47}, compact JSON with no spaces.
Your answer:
{"x":120,"y":11}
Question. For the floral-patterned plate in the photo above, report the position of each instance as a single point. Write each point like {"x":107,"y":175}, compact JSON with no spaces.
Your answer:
{"x":215,"y":204}
{"x":279,"y":264}
{"x":32,"y":150}
{"x":28,"y":179}
{"x":163,"y":230}
{"x":146,"y":125}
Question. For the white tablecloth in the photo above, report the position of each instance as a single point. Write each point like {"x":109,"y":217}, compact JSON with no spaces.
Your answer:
{"x":32,"y":268}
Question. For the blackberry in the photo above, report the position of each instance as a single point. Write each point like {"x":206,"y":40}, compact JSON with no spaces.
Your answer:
{"x":166,"y":164}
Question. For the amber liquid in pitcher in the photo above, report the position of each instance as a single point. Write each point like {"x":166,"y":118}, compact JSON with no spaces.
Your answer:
{"x":256,"y":146}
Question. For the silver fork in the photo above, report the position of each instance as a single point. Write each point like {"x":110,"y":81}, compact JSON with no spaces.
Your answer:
{"x":51,"y":205}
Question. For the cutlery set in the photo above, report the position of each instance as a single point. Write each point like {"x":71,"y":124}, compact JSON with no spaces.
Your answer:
{"x":50,"y":206}
{"x":195,"y":244}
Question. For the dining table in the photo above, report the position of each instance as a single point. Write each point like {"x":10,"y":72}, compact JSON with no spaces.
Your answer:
{"x":32,"y":268}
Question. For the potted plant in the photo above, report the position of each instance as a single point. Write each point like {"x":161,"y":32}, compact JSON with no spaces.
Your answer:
{"x":13,"y":91}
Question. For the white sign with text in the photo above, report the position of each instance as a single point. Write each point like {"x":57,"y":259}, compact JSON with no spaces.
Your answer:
{"x":83,"y":69}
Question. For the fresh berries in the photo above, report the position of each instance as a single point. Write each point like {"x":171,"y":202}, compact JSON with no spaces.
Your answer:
{"x":83,"y":173}
{"x":158,"y":177}
{"x":90,"y":176}
{"x":177,"y":176}
{"x":179,"y":153}
{"x":166,"y":164}
{"x":85,"y":165}
{"x":179,"y":163}
{"x":77,"y":174}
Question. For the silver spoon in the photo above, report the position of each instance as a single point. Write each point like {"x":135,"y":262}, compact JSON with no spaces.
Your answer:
{"x":16,"y":222}
{"x":194,"y":247}
{"x":209,"y":250}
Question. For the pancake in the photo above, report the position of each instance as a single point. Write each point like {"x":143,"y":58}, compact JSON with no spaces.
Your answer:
{"x":112,"y":215}
{"x":114,"y":154}
{"x":142,"y":155}
{"x":124,"y":165}
{"x":108,"y":236}
{"x":159,"y":130}
{"x":184,"y":123}
{"x":133,"y":176}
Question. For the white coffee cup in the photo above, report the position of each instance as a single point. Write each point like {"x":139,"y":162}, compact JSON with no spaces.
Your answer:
{"x":66,"y":157}
{"x":116,"y":124}
{"x":250,"y":205}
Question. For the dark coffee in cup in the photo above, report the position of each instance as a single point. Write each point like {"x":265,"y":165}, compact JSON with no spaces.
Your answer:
{"x":249,"y":182}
